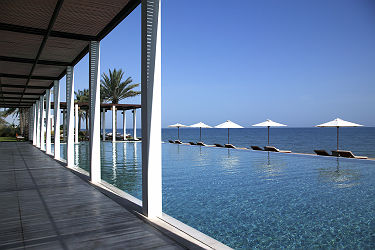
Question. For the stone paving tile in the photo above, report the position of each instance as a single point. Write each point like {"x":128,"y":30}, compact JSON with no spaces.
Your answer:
{"x":45,"y":206}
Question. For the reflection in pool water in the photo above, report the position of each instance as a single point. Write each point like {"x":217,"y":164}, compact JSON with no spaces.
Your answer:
{"x":341,"y":177}
{"x":249,"y":199}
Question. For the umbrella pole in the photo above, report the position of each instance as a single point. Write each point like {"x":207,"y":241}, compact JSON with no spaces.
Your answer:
{"x":268,"y":128}
{"x":337,"y":138}
{"x":200,"y":134}
{"x":178,"y":133}
{"x":228,"y":135}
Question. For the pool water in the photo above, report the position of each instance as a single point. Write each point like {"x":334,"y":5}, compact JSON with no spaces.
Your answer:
{"x":249,"y":199}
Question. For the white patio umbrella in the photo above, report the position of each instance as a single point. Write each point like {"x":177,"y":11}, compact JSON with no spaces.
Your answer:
{"x":228,"y":124}
{"x":200,"y":125}
{"x":338,"y":123}
{"x":268,"y":123}
{"x":178,"y":126}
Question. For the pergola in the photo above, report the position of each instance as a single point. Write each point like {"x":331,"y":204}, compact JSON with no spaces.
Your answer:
{"x":42,"y":40}
{"x":104,"y":107}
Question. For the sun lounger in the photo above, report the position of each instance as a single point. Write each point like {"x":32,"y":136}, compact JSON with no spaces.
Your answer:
{"x":218,"y":145}
{"x":178,"y":142}
{"x":335,"y":153}
{"x":201,"y":143}
{"x":256,"y":148}
{"x":321,"y":152}
{"x":273,"y":149}
{"x":171,"y":141}
{"x":229,"y":146}
{"x":348,"y":154}
{"x":19,"y":137}
{"x":192,"y":143}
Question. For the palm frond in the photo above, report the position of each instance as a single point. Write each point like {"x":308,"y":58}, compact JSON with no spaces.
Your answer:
{"x":113,"y":89}
{"x":11,"y":111}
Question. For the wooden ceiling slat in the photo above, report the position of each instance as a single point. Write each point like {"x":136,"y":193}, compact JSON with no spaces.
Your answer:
{"x":22,"y":86}
{"x":27,"y":60}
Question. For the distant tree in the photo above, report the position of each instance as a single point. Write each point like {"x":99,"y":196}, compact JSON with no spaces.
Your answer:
{"x":113,"y":89}
{"x":11,"y":112}
{"x":20,"y":113}
{"x":82,"y":96}
{"x":3,"y":122}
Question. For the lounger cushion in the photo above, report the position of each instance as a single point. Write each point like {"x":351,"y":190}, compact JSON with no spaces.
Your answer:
{"x":273,"y":149}
{"x":348,"y":154}
{"x":322,"y":152}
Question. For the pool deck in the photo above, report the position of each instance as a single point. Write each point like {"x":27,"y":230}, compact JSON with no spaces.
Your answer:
{"x":44,"y":205}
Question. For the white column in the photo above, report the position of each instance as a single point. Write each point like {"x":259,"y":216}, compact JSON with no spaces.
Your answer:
{"x":103,"y":125}
{"x":35,"y":106}
{"x":56,"y":113}
{"x":70,"y":116}
{"x":124,"y":124}
{"x":30,"y":122}
{"x":113,"y":123}
{"x":64,"y":124}
{"x":94,"y":67}
{"x":134,"y":124}
{"x":37,"y":123}
{"x":76,"y":123}
{"x":48,"y":121}
{"x":151,"y":109}
{"x":42,"y":127}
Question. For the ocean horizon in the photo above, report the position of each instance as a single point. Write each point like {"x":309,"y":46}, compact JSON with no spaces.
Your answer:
{"x":359,"y":140}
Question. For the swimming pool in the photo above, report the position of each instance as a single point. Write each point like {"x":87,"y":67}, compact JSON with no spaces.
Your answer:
{"x":249,"y":199}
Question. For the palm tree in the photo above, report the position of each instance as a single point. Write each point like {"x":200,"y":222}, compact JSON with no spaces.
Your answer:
{"x":21,"y":113}
{"x":113,"y":89}
{"x":82,"y":96}
{"x":13,"y":112}
{"x":3,"y":122}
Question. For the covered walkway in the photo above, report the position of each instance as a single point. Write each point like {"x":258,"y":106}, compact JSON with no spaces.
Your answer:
{"x":45,"y":205}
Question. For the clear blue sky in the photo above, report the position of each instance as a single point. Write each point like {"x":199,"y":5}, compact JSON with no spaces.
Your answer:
{"x":297,"y":62}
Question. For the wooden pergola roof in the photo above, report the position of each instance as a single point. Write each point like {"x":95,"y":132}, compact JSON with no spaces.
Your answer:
{"x":39,"y":38}
{"x":106,"y":106}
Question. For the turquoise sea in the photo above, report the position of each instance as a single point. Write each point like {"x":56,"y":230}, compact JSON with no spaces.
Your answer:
{"x":248,"y":199}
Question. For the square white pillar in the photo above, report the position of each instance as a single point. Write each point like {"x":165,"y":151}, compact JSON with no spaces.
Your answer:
{"x":64,"y":125}
{"x":151,"y":109}
{"x":42,"y":127}
{"x":134,"y":124}
{"x":113,"y":123}
{"x":34,"y":122}
{"x":124,"y":124}
{"x":48,"y":121}
{"x":56,"y":114}
{"x":30,"y":122}
{"x":70,"y":116}
{"x":94,"y":68}
{"x":103,"y":125}
{"x":37,"y":123}
{"x":76,"y":123}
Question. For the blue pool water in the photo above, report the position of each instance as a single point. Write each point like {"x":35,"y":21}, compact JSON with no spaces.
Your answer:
{"x":249,"y":199}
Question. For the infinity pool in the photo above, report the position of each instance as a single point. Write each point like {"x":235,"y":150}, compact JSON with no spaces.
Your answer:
{"x":249,"y":199}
